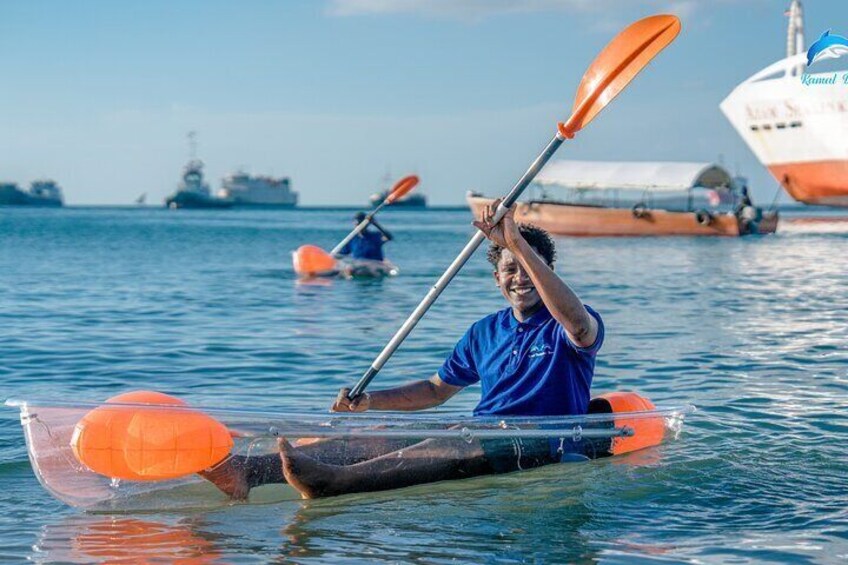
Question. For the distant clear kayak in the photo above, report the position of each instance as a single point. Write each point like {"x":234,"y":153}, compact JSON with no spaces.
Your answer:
{"x":367,"y":269}
{"x":142,"y":450}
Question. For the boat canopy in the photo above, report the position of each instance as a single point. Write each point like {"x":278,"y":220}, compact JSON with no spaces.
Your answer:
{"x":669,"y":176}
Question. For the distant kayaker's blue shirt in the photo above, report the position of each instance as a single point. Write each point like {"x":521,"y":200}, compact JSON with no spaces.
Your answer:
{"x":366,"y":245}
{"x":528,"y":368}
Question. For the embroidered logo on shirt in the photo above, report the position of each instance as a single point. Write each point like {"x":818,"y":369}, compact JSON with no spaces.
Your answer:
{"x":540,"y":351}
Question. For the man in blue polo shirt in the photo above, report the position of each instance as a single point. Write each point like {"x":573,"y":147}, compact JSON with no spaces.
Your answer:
{"x":536,"y":357}
{"x":367,"y":244}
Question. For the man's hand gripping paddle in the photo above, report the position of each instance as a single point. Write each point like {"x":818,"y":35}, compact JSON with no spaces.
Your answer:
{"x":609,"y":74}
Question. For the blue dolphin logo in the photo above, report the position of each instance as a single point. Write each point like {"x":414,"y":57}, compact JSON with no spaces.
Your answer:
{"x":827,"y":47}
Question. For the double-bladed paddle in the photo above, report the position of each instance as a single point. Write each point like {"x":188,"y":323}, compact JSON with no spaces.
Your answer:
{"x":398,"y":191}
{"x":311,"y":260}
{"x":609,"y":73}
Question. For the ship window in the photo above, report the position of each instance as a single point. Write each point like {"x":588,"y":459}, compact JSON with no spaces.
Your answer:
{"x":795,"y":125}
{"x":781,"y":126}
{"x":755,"y":128}
{"x":767,"y":127}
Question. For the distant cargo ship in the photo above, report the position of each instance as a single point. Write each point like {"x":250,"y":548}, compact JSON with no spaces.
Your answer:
{"x":258,"y":191}
{"x":40,"y":193}
{"x":796,"y":122}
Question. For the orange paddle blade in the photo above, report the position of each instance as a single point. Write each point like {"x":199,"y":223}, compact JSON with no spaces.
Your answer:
{"x":141,"y":443}
{"x":620,"y":61}
{"x":402,"y":188}
{"x":312,"y":261}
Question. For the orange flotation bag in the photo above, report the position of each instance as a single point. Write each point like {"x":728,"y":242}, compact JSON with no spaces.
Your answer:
{"x":647,"y":431}
{"x":142,"y":443}
{"x":312,"y":261}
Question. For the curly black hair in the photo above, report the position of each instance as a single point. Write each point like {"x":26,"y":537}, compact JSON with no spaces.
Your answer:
{"x":539,"y":239}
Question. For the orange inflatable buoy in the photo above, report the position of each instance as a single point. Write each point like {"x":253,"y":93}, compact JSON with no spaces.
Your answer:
{"x":312,"y":261}
{"x":647,"y":431}
{"x":154,"y":443}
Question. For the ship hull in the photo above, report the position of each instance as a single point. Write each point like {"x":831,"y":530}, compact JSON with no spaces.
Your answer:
{"x":14,"y":197}
{"x":796,"y":130}
{"x":588,"y":221}
{"x":192,"y":200}
{"x":262,"y":205}
{"x":823,"y":183}
{"x":414,"y":201}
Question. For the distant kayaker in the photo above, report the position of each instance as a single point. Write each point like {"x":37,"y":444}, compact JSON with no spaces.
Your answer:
{"x":534,"y":358}
{"x":368,"y":244}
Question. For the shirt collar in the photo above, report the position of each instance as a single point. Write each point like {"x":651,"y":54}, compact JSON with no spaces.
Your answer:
{"x":537,"y":319}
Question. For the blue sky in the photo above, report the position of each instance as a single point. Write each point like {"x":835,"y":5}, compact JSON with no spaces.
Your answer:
{"x":334,"y":93}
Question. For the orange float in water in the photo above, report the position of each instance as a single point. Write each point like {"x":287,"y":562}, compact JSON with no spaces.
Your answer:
{"x":149,"y":443}
{"x":312,"y":261}
{"x":648,"y":431}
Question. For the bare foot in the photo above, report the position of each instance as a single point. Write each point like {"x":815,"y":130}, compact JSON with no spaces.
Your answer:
{"x":230,"y":477}
{"x":309,"y":477}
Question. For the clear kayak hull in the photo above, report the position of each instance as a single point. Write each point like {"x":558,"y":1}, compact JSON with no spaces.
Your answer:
{"x":310,"y":262}
{"x":52,"y":432}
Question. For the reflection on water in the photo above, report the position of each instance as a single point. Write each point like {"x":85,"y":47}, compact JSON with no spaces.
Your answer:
{"x":82,"y":539}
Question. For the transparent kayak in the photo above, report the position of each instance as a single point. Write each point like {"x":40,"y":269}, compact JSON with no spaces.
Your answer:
{"x":367,"y":269}
{"x":72,"y":470}
{"x":310,"y":262}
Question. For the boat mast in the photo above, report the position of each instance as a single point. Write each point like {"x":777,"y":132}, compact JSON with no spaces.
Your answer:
{"x":795,"y":31}
{"x":192,"y":145}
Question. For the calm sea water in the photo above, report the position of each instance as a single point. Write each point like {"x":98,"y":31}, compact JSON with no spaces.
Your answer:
{"x":204,"y":305}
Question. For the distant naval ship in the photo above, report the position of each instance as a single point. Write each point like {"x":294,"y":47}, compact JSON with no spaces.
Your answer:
{"x":193,"y":191}
{"x":40,"y":193}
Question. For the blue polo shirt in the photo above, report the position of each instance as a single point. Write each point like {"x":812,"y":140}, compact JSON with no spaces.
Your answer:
{"x":366,"y":245}
{"x":528,"y":368}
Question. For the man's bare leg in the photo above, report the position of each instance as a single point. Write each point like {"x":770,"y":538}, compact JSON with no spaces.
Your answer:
{"x":238,"y":474}
{"x":230,"y":477}
{"x":425,"y":462}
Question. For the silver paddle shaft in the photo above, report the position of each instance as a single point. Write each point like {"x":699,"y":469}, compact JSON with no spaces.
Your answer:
{"x":454,"y":268}
{"x":358,"y":229}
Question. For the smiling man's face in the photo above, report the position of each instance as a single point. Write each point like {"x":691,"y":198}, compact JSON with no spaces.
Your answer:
{"x":516,"y":285}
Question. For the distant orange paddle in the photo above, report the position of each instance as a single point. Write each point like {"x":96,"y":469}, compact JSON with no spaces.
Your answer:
{"x":312,"y":261}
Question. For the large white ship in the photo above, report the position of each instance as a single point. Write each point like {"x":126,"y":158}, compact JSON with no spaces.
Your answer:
{"x":795,"y":120}
{"x":243,"y":189}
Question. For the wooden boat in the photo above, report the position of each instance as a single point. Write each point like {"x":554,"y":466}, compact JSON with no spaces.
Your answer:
{"x":587,"y":220}
{"x":650,"y":185}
